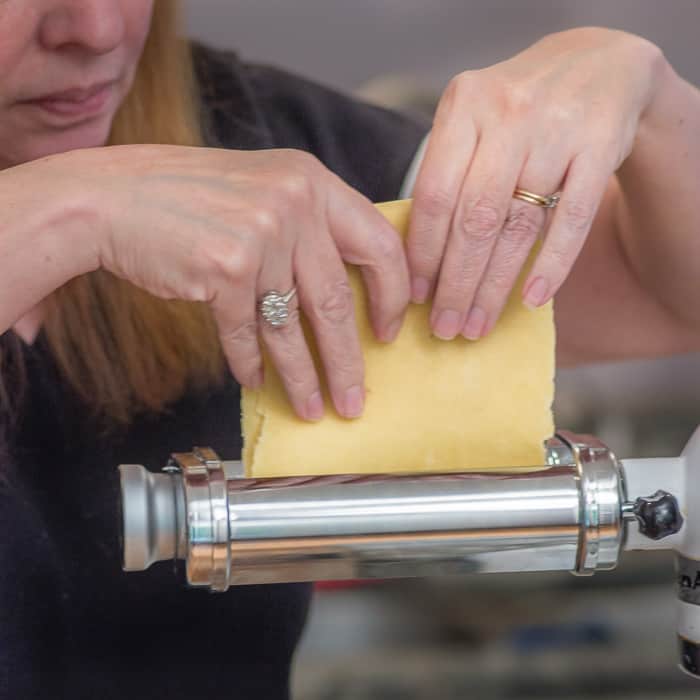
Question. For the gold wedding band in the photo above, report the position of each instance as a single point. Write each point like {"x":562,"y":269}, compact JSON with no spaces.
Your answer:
{"x":548,"y":202}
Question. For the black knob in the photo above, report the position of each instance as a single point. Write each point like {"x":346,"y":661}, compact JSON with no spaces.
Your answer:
{"x":690,"y":656}
{"x":659,"y":515}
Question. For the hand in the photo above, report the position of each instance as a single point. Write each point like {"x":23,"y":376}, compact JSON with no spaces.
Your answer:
{"x":561,"y":116}
{"x":224,"y":227}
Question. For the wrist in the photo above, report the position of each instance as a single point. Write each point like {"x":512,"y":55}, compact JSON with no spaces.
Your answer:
{"x":665,"y":80}
{"x":646,"y":66}
{"x":70,"y":226}
{"x":44,"y":235}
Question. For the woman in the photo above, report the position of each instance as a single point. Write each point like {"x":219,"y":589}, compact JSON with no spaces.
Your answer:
{"x":131,"y":278}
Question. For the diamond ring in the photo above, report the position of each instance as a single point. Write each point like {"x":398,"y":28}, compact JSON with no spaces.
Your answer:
{"x":274,"y":307}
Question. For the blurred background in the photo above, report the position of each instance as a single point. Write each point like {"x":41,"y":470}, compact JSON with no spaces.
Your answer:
{"x":489,"y":637}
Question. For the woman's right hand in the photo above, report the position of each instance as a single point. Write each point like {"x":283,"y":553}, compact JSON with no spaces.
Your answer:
{"x":225,"y":227}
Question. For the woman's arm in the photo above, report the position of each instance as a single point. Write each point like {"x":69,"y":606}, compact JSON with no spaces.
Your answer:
{"x":634,"y":291}
{"x":599,"y":115}
{"x":46,"y":236}
{"x":657,"y":210}
{"x":605,"y":312}
{"x":219,"y":227}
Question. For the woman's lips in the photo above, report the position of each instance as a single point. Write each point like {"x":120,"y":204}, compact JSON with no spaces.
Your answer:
{"x":77,"y":103}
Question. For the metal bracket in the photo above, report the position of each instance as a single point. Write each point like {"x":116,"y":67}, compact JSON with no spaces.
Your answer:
{"x":206,"y":503}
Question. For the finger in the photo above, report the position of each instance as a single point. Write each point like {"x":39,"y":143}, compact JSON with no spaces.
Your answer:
{"x":286,"y":344}
{"x":520,"y":230}
{"x":451,"y":146}
{"x":363,"y":237}
{"x":582,"y":193}
{"x":479,"y":217}
{"x":327,"y":301}
{"x":233,"y":307}
{"x":524,"y":223}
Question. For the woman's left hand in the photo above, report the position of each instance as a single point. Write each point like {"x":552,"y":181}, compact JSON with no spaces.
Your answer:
{"x":561,"y":116}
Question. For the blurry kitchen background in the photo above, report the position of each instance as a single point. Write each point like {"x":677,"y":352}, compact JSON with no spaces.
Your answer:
{"x":491,"y":637}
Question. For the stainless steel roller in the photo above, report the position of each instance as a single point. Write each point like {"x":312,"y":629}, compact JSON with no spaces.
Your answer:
{"x":576,"y":513}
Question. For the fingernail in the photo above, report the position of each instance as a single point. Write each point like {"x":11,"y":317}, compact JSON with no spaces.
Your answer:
{"x":314,"y":406}
{"x":420,"y":288}
{"x":354,"y":401}
{"x":392,"y":331}
{"x":475,"y":325}
{"x":535,"y":293}
{"x":447,"y":324}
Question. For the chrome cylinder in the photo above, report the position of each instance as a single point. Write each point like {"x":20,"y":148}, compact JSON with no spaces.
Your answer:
{"x":233,"y":530}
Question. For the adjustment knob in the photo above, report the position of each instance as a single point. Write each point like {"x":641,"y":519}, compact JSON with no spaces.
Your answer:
{"x":658,"y":516}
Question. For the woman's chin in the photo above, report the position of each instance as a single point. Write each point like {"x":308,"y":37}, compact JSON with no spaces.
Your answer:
{"x":35,"y":146}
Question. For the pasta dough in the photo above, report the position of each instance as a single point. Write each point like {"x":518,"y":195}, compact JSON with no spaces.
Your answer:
{"x":432,"y":405}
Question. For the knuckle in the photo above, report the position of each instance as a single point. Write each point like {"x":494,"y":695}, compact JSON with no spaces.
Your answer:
{"x":456,"y":285}
{"x":226,"y":257}
{"x":243,"y":335}
{"x":295,"y":187}
{"x":336,"y":306}
{"x":264,"y":221}
{"x":562,"y":114}
{"x":423,"y":256}
{"x":523,"y":224}
{"x":433,"y":203}
{"x":577,"y":217}
{"x":500,"y":285}
{"x":198,"y":291}
{"x":482,"y":222}
{"x":302,"y":162}
{"x":388,"y":244}
{"x":451,"y":95}
{"x":295,"y":379}
{"x":519,"y":100}
{"x":423,"y":251}
{"x":460,"y":88}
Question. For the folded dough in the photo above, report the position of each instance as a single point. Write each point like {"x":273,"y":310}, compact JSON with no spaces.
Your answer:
{"x":432,"y":405}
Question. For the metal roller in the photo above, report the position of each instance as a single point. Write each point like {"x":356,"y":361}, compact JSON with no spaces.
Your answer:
{"x":576,"y":513}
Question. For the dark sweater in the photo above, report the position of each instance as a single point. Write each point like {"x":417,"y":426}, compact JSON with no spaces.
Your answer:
{"x":72,"y":624}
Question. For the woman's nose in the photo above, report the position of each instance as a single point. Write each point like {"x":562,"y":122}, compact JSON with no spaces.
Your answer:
{"x":96,"y":25}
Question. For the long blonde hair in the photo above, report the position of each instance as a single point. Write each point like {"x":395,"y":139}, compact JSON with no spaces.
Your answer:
{"x":122,"y":350}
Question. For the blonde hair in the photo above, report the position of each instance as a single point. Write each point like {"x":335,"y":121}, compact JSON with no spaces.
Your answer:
{"x":122,"y":350}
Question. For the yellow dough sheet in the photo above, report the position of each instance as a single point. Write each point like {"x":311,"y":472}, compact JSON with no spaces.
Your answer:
{"x":432,"y":405}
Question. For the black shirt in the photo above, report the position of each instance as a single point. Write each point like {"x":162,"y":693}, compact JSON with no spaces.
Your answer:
{"x":72,"y":624}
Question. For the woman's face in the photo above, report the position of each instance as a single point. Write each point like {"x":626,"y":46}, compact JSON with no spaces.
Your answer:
{"x":65,"y":67}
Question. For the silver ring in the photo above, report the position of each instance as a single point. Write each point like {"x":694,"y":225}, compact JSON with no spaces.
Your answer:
{"x":274,"y":307}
